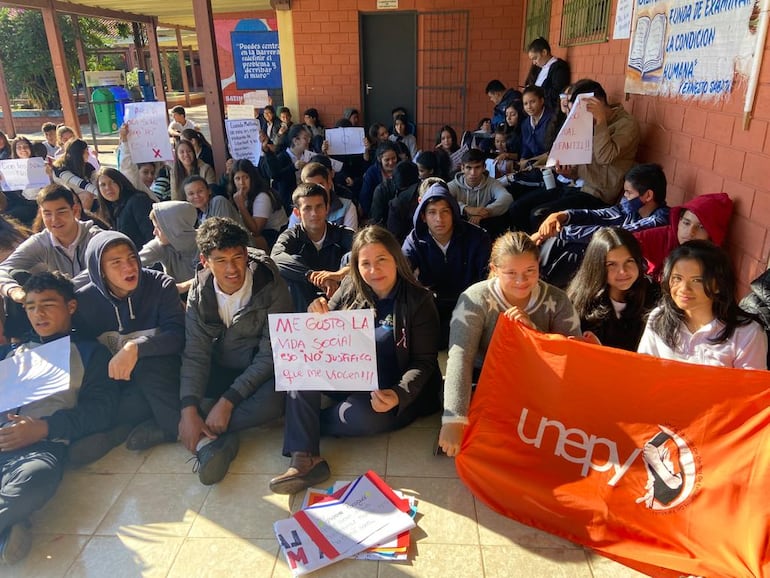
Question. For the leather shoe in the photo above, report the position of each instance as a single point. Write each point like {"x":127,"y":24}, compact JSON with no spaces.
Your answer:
{"x":304,"y":472}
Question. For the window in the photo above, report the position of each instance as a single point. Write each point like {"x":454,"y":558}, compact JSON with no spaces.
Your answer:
{"x":584,"y":22}
{"x":538,"y":20}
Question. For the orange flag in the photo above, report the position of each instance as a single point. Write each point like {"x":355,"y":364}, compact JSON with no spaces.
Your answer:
{"x":663,"y":466}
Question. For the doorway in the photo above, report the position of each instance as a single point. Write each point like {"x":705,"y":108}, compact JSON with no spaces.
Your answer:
{"x":388,"y":65}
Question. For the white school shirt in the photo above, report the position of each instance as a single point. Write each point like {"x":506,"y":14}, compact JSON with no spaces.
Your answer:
{"x":229,"y":305}
{"x":746,"y":349}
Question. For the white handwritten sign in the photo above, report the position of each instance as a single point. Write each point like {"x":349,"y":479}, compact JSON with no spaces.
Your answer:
{"x":148,"y":132}
{"x":331,"y":351}
{"x":243,"y":139}
{"x":240,"y":111}
{"x":623,"y":15}
{"x":20,"y":174}
{"x":345,"y":141}
{"x":34,"y":374}
{"x":574,"y":145}
{"x":258,"y":98}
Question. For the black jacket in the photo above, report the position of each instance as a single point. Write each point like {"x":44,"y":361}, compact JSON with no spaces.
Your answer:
{"x":416,"y":331}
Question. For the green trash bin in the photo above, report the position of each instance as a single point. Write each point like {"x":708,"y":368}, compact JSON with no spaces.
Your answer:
{"x":104,"y":110}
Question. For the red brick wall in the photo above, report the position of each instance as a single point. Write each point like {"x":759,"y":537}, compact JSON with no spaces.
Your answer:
{"x":327,"y":50}
{"x":702,"y":146}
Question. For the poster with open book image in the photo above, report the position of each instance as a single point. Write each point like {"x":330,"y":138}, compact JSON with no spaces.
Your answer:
{"x":648,"y":47}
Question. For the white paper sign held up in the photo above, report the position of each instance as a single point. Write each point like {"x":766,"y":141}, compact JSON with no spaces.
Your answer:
{"x":324,"y":352}
{"x":148,"y":132}
{"x":574,"y":145}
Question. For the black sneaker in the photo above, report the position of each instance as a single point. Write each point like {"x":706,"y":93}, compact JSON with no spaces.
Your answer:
{"x":15,"y":543}
{"x":213,"y":460}
{"x":147,"y":435}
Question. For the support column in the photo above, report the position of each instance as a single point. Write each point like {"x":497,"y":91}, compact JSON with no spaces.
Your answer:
{"x":288,"y":60}
{"x":157,"y":75}
{"x":139,"y":45}
{"x":182,"y":67}
{"x":166,"y":69}
{"x":193,"y":70}
{"x":5,"y":103}
{"x":58,"y":59}
{"x":207,"y":49}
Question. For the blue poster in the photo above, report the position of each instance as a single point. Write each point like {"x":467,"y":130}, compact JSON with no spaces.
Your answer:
{"x":257,"y":59}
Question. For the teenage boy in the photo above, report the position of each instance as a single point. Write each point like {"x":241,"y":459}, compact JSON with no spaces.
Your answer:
{"x":308,"y":255}
{"x":179,"y":123}
{"x":227,"y":381}
{"x":483,"y":200}
{"x":137,"y":314}
{"x":501,"y":98}
{"x":448,"y":255}
{"x":565,"y":235}
{"x":49,"y":130}
{"x":34,"y":437}
{"x":60,"y":247}
{"x":342,"y":210}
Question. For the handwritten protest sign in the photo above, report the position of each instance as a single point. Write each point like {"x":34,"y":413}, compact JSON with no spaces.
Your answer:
{"x":148,"y":132}
{"x":333,"y":351}
{"x":258,"y":98}
{"x":346,"y":140}
{"x":240,"y":111}
{"x":243,"y":139}
{"x":574,"y":145}
{"x":34,"y":374}
{"x":622,"y":28}
{"x":20,"y":174}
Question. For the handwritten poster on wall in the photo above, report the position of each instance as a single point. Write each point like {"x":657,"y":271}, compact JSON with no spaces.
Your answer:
{"x":689,"y":48}
{"x":148,"y":132}
{"x":257,"y":59}
{"x":331,"y":351}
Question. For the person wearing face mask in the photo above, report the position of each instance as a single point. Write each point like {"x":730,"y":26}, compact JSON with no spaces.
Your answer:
{"x":565,"y":235}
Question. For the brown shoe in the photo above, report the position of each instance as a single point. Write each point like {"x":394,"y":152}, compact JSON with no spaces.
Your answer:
{"x":304,"y":472}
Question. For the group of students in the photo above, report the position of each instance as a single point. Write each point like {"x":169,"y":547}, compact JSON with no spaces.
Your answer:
{"x":149,"y":367}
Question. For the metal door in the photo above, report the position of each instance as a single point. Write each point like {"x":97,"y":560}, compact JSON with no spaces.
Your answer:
{"x":389,"y":64}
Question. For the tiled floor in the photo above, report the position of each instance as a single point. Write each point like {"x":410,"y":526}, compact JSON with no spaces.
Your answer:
{"x":146,"y":514}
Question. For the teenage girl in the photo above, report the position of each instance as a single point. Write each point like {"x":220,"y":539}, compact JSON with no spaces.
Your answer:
{"x":698,"y":319}
{"x":515,"y":289}
{"x":610,"y":292}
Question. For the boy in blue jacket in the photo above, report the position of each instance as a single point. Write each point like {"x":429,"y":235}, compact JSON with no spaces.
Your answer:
{"x":137,"y":314}
{"x":34,"y":438}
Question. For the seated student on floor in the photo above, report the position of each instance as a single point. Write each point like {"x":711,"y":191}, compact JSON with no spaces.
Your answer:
{"x":34,"y":437}
{"x":308,"y":255}
{"x":610,"y":291}
{"x":513,"y":288}
{"x":595,"y":185}
{"x":565,"y":235}
{"x":405,"y":181}
{"x":698,"y":319}
{"x":406,"y":335}
{"x":198,"y":194}
{"x":447,"y":254}
{"x":705,"y":217}
{"x":174,"y":243}
{"x":342,"y":209}
{"x":758,"y":302}
{"x":483,"y":201}
{"x":227,"y":381}
{"x":535,"y":127}
{"x":137,"y":314}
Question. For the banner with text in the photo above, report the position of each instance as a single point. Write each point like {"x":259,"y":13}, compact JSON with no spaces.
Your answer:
{"x":256,"y":59}
{"x":324,"y":352}
{"x":148,"y":132}
{"x":659,"y":464}
{"x":689,"y":48}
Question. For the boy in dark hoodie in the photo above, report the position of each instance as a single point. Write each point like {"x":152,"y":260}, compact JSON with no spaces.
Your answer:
{"x":34,"y":437}
{"x":447,"y":253}
{"x":137,"y":314}
{"x":228,"y":360}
